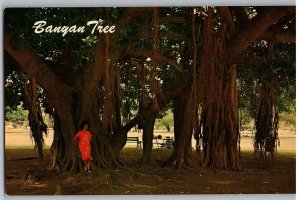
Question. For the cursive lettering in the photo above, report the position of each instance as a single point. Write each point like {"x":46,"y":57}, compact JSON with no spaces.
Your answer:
{"x":97,"y":27}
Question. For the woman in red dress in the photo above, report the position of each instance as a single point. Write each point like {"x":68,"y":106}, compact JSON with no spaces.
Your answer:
{"x":84,"y":137}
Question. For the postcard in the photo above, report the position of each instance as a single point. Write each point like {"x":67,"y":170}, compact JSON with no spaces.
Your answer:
{"x":150,"y":100}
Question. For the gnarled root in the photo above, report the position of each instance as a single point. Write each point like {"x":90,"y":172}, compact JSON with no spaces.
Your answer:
{"x":147,"y":161}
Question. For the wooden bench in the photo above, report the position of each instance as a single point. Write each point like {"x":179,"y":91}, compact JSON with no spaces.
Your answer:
{"x":135,"y":140}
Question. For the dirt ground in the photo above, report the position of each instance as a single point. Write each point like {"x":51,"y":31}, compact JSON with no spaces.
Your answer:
{"x":26,"y":176}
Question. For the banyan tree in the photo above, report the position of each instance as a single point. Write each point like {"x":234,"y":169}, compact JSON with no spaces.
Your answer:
{"x":157,"y":56}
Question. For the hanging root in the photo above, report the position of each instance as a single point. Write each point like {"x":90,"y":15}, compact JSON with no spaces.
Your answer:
{"x":266,"y":121}
{"x":218,"y":92}
{"x":154,"y":85}
{"x":110,"y":74}
{"x":57,"y":146}
{"x":36,"y":122}
{"x":266,"y":127}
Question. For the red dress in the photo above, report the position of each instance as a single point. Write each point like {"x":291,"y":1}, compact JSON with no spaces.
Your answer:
{"x":84,"y":144}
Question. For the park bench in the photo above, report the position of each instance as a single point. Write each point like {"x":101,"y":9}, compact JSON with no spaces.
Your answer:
{"x":159,"y":144}
{"x":168,"y":143}
{"x":135,"y":140}
{"x":165,"y":143}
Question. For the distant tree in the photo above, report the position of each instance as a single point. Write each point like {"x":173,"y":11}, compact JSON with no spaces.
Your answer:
{"x":16,"y":115}
{"x":166,"y":121}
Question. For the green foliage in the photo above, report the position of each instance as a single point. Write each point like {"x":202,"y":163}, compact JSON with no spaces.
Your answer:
{"x":16,"y":115}
{"x":166,"y":121}
{"x":288,"y":118}
{"x":48,"y":120}
{"x":113,"y":13}
{"x":84,"y":54}
{"x":14,"y":87}
{"x":283,"y":68}
{"x":52,"y":47}
{"x":130,"y":32}
{"x":245,"y":118}
{"x":71,"y":53}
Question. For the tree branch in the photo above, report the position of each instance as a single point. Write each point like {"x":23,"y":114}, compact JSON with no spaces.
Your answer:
{"x":278,"y":36}
{"x":257,"y":26}
{"x":128,"y":15}
{"x":37,"y":68}
{"x":93,"y":74}
{"x":95,"y":71}
{"x":250,"y":60}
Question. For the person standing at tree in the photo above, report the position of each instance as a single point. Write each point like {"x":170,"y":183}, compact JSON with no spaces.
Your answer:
{"x":84,"y":137}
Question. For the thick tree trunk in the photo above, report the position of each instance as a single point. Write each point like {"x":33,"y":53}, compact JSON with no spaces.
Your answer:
{"x":68,"y":129}
{"x":83,"y":106}
{"x":218,"y":91}
{"x":184,"y":107}
{"x":147,"y":158}
{"x":179,"y":145}
{"x":103,"y":152}
{"x":220,"y":125}
{"x":181,"y":156}
{"x":65,"y":151}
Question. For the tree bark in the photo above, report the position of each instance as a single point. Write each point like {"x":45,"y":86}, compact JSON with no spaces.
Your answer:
{"x":71,"y":106}
{"x":254,"y":29}
{"x":266,"y":126}
{"x":36,"y":122}
{"x":220,"y":125}
{"x":218,"y":92}
{"x":56,"y":149}
{"x":181,"y":155}
{"x":147,"y":158}
{"x":266,"y":119}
